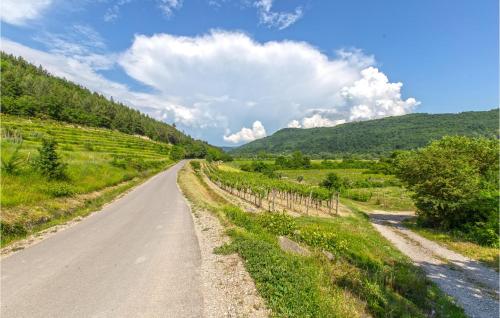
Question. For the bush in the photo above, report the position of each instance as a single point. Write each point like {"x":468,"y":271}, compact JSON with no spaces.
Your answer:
{"x":177,"y":153}
{"x":358,"y":195}
{"x":11,"y":165}
{"x":195,"y":165}
{"x":48,"y":162}
{"x":455,"y":181}
{"x":60,"y":190}
{"x":333,"y":182}
{"x":279,"y":224}
{"x":119,"y":162}
{"x":15,"y":229}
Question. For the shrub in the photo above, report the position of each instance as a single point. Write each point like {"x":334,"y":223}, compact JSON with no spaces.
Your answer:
{"x":333,"y":182}
{"x":119,"y":162}
{"x":48,"y":162}
{"x":358,"y":195}
{"x":455,"y":181}
{"x":11,"y":165}
{"x":88,"y":146}
{"x":195,"y":165}
{"x":177,"y":153}
{"x":15,"y":229}
{"x":60,"y":190}
{"x":279,"y":224}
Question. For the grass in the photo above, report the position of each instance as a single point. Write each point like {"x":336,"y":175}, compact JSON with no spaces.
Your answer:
{"x":96,"y":159}
{"x":368,"y":276}
{"x":488,"y":255}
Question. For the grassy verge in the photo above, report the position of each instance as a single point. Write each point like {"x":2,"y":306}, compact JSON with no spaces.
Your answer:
{"x":487,"y":255}
{"x":367,"y":276}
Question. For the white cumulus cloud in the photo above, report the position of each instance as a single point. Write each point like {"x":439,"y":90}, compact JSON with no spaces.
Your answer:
{"x":219,"y":82}
{"x":373,"y":96}
{"x":316,"y":120}
{"x":231,"y":79}
{"x":19,"y":12}
{"x":246,"y":134}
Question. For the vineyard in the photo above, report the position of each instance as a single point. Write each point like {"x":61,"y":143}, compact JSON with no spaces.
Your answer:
{"x":275,"y":193}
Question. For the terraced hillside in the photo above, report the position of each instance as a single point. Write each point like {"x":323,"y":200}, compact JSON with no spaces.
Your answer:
{"x":100,"y":164}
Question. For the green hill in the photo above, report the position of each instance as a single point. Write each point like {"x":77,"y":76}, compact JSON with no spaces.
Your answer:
{"x":99,"y":164}
{"x":31,"y":91}
{"x":375,"y":137}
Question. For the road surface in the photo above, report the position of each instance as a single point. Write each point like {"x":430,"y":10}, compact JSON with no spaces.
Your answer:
{"x":138,"y":257}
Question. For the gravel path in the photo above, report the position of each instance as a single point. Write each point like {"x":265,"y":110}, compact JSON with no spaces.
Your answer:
{"x":473,"y":285}
{"x":228,"y":290}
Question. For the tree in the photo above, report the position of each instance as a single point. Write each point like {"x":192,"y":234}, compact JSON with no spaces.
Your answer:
{"x":455,"y":181}
{"x":48,"y":162}
{"x":177,"y":153}
{"x":281,"y":161}
{"x":333,"y":182}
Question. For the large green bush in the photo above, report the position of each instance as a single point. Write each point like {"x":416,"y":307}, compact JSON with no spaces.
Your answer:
{"x":455,"y":181}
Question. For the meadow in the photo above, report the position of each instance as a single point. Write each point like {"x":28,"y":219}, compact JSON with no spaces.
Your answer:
{"x":98,"y":163}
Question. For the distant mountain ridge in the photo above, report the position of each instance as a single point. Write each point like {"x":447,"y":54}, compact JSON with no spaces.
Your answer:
{"x":375,"y":137}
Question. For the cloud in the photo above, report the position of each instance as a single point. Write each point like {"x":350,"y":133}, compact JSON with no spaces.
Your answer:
{"x":113,"y":12}
{"x":294,"y":124}
{"x":280,"y":20}
{"x":18,"y":12}
{"x":82,"y":71}
{"x":168,"y":6}
{"x":213,"y":84}
{"x":246,"y":134}
{"x":231,"y":79}
{"x":373,"y":96}
{"x":316,"y":120}
{"x":80,"y":42}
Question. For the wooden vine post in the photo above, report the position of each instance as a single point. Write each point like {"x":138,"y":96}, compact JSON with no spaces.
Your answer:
{"x":337,"y":205}
{"x":308,"y":202}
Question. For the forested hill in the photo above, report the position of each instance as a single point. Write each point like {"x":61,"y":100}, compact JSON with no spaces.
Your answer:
{"x":28,"y":90}
{"x":375,"y":137}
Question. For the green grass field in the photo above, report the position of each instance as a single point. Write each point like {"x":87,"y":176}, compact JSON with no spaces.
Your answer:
{"x":96,"y":159}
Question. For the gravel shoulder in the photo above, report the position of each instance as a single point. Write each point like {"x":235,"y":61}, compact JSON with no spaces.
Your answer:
{"x":226,"y":286}
{"x":473,"y":285}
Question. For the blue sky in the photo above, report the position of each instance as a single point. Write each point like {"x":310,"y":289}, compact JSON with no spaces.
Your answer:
{"x":230,"y":71}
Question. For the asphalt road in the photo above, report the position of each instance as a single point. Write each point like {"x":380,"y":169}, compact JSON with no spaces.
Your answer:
{"x":138,"y":257}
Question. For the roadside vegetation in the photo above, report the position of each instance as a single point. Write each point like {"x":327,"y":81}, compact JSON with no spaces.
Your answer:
{"x":352,"y":271}
{"x":53,"y":171}
{"x":452,"y":184}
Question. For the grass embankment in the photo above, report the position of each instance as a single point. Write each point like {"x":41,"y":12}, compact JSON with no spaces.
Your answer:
{"x":101,"y":164}
{"x":487,"y":255}
{"x":367,"y":276}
